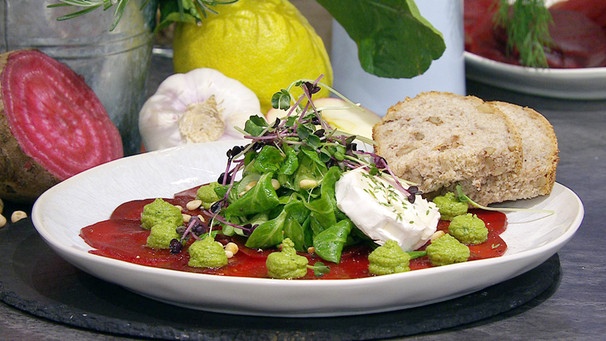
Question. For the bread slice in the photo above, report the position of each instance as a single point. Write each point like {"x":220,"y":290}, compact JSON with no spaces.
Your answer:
{"x":541,"y":156}
{"x":439,"y":139}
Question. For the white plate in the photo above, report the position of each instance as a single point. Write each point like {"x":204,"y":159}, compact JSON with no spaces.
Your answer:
{"x":575,"y":84}
{"x":91,"y":196}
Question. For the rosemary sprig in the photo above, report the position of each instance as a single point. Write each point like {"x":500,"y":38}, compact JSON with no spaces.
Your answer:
{"x":526,"y":23}
{"x":191,"y":11}
{"x":92,"y":5}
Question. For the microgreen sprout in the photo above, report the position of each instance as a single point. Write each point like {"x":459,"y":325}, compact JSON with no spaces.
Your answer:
{"x":320,"y":269}
{"x":195,"y":228}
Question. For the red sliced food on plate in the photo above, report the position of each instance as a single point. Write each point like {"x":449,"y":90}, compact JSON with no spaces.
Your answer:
{"x":592,"y":9}
{"x":578,"y":41}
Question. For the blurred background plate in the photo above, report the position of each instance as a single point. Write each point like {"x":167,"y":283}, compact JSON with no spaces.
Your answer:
{"x":578,"y":84}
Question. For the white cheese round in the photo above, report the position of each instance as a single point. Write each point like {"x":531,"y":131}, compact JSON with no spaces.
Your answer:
{"x":383,"y":212}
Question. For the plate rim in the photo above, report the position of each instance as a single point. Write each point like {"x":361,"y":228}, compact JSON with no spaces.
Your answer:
{"x":568,"y":84}
{"x":590,"y":71}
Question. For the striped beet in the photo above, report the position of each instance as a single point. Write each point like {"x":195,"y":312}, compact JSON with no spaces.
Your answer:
{"x":52,"y":125}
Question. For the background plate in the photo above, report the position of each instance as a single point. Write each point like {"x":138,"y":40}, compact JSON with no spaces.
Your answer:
{"x":579,"y":84}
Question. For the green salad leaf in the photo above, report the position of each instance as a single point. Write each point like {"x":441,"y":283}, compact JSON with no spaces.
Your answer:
{"x":261,"y":198}
{"x":329,"y":243}
{"x":282,"y":185}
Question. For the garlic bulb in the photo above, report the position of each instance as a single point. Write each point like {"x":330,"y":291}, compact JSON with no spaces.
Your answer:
{"x":202,"y":105}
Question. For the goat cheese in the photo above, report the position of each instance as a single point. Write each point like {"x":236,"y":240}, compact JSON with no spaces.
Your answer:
{"x":383,"y":212}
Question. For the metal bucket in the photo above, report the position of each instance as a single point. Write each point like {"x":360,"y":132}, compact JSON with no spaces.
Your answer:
{"x":114,"y":64}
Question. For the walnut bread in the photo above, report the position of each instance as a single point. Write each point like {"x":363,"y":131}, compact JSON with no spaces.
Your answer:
{"x":496,"y":151}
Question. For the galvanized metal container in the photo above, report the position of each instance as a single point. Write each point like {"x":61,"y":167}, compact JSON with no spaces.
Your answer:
{"x":115,"y":64}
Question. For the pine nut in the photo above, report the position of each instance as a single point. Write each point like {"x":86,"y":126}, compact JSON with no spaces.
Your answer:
{"x":308,"y":183}
{"x":275,"y":183}
{"x":232,"y":247}
{"x":436,"y":235}
{"x":2,"y":221}
{"x":18,"y":215}
{"x":194,"y":204}
{"x":249,"y":186}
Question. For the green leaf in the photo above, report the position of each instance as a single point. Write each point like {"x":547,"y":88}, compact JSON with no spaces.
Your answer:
{"x":291,"y":163}
{"x":324,"y":211}
{"x":268,"y":160}
{"x":261,"y":198}
{"x":393,"y":39}
{"x":320,"y":269}
{"x":304,"y":132}
{"x":310,"y":167}
{"x":294,"y":224}
{"x":281,"y":100}
{"x":329,"y":243}
{"x":255,"y":125}
{"x":268,"y":234}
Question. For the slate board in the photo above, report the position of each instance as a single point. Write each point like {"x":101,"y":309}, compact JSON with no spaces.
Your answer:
{"x":35,"y":280}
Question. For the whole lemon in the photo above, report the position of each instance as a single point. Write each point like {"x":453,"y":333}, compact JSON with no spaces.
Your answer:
{"x":266,"y":45}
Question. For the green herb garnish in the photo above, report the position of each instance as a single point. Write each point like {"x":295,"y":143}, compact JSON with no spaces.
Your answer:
{"x":191,"y":11}
{"x":526,"y":24}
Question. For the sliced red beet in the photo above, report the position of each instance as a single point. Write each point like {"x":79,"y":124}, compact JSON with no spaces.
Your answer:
{"x":578,"y":41}
{"x":592,"y":9}
{"x":50,"y":122}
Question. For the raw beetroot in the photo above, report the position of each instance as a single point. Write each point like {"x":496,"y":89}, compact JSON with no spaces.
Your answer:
{"x":52,"y":125}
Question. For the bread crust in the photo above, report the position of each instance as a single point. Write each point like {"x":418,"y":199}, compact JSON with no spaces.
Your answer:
{"x":541,"y":157}
{"x":437,"y":139}
{"x":496,"y":151}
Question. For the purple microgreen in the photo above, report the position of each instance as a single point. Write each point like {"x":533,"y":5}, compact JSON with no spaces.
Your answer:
{"x":195,"y":228}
